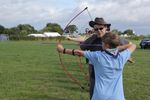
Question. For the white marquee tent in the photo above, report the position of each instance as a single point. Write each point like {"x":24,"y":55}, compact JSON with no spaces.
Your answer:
{"x":46,"y":34}
{"x":37,"y":35}
{"x":51,"y":34}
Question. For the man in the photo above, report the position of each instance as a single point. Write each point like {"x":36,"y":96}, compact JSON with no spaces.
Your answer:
{"x":95,"y":43}
{"x":108,"y":65}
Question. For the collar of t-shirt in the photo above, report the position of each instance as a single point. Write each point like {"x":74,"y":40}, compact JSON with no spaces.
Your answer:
{"x":113,"y":52}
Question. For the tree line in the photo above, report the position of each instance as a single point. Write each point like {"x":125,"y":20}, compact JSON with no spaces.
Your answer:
{"x":25,"y":29}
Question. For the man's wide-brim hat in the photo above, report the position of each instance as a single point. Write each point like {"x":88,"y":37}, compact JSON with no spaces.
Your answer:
{"x":99,"y":21}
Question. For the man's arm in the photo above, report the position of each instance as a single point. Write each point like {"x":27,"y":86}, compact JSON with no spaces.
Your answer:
{"x":74,"y":52}
{"x":88,"y":41}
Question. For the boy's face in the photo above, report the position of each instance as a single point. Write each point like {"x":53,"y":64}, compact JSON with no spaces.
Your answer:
{"x":100,"y":30}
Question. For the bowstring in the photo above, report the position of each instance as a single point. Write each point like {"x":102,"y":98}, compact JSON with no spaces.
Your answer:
{"x":69,"y":74}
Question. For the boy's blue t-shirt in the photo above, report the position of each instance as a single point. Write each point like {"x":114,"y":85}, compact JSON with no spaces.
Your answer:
{"x":108,"y":74}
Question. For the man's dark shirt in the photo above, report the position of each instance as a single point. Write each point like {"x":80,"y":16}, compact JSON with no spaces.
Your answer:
{"x":93,"y":43}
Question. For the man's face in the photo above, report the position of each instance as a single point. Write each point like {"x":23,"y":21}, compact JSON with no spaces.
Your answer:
{"x":100,"y":30}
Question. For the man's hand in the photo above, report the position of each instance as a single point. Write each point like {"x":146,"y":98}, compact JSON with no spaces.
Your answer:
{"x":68,"y":37}
{"x":131,"y":60}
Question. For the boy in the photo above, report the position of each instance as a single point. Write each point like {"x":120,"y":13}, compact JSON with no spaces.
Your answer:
{"x":108,"y":66}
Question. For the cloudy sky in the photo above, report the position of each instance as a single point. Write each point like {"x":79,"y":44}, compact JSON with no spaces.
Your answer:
{"x":122,"y":14}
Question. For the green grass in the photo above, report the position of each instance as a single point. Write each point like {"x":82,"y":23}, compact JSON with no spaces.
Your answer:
{"x":30,"y":70}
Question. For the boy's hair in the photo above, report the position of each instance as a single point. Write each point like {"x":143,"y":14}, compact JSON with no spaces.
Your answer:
{"x":111,"y":39}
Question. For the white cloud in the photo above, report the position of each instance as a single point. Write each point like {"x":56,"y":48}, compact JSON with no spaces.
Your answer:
{"x":121,"y":13}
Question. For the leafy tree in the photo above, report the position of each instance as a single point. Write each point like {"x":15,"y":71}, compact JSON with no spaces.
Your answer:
{"x":116,"y":31}
{"x":129,"y":32}
{"x":25,"y":29}
{"x":14,"y":31}
{"x":52,"y":27}
{"x":71,"y":29}
{"x":2,"y":29}
{"x":7,"y":31}
{"x":20,"y":30}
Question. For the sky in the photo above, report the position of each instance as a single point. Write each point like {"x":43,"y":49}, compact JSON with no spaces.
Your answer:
{"x":122,"y":14}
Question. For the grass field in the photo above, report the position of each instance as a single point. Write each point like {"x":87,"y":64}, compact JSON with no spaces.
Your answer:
{"x":30,"y":70}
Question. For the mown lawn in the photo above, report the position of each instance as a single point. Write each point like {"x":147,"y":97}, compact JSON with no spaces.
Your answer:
{"x":30,"y":70}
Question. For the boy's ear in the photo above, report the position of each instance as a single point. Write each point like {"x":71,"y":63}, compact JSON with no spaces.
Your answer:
{"x":106,"y":45}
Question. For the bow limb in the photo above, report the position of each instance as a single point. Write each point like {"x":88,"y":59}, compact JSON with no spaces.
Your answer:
{"x":75,"y":80}
{"x":80,"y":64}
{"x":75,"y":17}
{"x":82,"y":69}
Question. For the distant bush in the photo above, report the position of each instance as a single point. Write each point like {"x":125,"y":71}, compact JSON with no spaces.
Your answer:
{"x":17,"y":38}
{"x":135,"y":37}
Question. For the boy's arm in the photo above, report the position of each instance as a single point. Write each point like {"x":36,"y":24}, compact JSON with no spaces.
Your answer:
{"x":124,"y":41}
{"x":131,"y":47}
{"x":126,"y":51}
{"x":74,"y":52}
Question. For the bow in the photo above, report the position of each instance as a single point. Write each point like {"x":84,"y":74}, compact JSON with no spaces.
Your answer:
{"x":74,"y":79}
